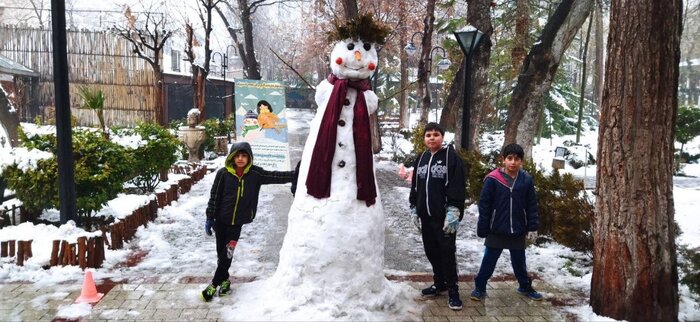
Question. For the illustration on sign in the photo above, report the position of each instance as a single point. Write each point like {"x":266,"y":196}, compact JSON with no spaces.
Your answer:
{"x":261,"y":121}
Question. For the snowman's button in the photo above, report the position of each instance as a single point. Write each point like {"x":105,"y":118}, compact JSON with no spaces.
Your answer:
{"x":341,"y":145}
{"x":347,"y":102}
{"x":341,"y":122}
{"x":341,"y":164}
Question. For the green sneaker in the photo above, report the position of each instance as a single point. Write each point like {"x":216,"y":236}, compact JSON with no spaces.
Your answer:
{"x":208,"y":293}
{"x":225,"y":288}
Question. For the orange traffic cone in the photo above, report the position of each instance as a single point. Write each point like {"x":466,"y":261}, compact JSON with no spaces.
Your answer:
{"x":402,"y":172}
{"x":89,"y":293}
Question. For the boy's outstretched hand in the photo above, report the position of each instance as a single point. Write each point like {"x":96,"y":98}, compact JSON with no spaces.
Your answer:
{"x":451,"y":220}
{"x":208,"y":224}
{"x":296,"y":177}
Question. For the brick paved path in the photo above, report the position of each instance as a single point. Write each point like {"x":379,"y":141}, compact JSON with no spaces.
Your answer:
{"x":181,"y":302}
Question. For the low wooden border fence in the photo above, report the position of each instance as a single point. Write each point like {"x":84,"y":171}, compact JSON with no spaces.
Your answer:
{"x":90,"y":251}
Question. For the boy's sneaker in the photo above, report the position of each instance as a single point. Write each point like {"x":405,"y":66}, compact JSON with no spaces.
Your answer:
{"x":433,"y":290}
{"x":530,"y":292}
{"x":209,"y":293}
{"x":477,"y":295}
{"x":225,"y":288}
{"x":453,"y":301}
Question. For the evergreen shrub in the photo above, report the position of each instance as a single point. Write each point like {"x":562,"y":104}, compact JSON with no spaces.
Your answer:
{"x":690,"y":268}
{"x":158,"y":154}
{"x":101,"y":168}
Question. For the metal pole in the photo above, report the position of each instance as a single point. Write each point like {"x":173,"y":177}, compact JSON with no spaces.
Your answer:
{"x":66,"y":186}
{"x":465,"y":104}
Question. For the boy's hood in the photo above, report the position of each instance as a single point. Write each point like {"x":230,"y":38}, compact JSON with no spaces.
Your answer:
{"x":238,"y":146}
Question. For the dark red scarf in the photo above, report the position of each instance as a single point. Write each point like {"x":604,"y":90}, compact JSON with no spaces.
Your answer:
{"x":319,"y":184}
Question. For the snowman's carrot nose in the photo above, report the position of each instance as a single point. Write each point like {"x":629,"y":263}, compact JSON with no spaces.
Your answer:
{"x":358,"y":56}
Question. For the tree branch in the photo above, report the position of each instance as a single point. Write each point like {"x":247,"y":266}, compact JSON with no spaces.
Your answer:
{"x":292,"y":68}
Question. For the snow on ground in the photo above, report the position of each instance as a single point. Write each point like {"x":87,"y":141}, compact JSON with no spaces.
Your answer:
{"x":175,"y":245}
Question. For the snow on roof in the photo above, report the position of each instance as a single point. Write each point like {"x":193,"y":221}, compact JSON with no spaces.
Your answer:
{"x":8,"y":66}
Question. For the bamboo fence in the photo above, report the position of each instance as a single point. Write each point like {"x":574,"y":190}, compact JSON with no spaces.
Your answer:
{"x":97,"y":59}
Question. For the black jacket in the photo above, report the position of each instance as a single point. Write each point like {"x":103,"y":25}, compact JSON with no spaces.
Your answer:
{"x":233,"y":199}
{"x":443,"y":174}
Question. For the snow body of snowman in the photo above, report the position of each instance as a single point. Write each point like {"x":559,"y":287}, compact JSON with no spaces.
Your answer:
{"x":333,"y":253}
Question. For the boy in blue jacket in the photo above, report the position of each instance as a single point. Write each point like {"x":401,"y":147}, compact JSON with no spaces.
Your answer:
{"x":232,"y":204}
{"x":507,"y":212}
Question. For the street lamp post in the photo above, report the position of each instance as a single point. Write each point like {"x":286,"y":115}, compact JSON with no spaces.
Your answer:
{"x":468,"y":39}
{"x":411,"y":46}
{"x":443,"y":64}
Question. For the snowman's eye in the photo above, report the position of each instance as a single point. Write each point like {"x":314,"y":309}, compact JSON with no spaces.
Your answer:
{"x":368,"y":46}
{"x":351,"y":46}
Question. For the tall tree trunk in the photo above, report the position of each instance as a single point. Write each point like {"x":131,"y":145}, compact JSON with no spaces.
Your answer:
{"x":522,"y":28}
{"x":159,"y":96}
{"x":252,"y":68}
{"x":425,"y":62}
{"x":635,"y":274}
{"x":538,"y":71}
{"x":582,"y":94}
{"x":479,"y":15}
{"x":404,"y":112}
{"x":599,"y":57}
{"x":350,"y":8}
{"x":198,"y":80}
{"x":452,"y":110}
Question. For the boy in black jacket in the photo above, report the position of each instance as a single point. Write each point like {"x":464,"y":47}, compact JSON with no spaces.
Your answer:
{"x":437,"y":202}
{"x":232,"y":204}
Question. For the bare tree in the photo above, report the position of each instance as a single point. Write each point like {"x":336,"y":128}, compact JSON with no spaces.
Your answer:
{"x":404,"y":112}
{"x":38,"y":7}
{"x":539,"y":68}
{"x":582,"y":92}
{"x":148,"y":39}
{"x":200,"y":73}
{"x":423,"y":64}
{"x":245,"y":10}
{"x":635,"y":274}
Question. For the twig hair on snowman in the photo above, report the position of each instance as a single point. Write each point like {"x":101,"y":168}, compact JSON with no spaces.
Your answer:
{"x":346,"y":97}
{"x":355,"y":54}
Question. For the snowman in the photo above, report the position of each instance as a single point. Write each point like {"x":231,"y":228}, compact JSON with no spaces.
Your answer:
{"x":333,"y":252}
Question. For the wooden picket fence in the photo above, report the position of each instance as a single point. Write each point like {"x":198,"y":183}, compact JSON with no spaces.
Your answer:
{"x":89,"y":252}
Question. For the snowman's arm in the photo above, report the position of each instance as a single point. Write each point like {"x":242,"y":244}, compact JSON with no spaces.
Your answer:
{"x":372,"y":101}
{"x":323,"y":93}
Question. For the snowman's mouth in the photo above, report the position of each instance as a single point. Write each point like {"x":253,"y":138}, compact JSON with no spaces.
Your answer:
{"x":355,"y":69}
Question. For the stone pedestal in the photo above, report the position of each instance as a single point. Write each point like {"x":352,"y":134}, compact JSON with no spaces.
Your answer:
{"x":193,"y":137}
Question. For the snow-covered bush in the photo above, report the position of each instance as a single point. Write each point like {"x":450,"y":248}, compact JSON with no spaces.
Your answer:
{"x":101,"y":168}
{"x":156,"y":153}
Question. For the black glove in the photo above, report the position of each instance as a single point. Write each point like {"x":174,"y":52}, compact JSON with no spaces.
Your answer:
{"x":208,"y":225}
{"x":296,"y":177}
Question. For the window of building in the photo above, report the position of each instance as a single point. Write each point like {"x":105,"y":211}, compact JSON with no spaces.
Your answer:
{"x":175,"y":60}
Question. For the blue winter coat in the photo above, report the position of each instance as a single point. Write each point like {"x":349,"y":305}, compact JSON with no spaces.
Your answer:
{"x":505,"y":210}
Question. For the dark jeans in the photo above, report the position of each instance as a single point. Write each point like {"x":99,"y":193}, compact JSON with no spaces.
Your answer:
{"x":488,"y":264}
{"x":440,"y":249}
{"x":224,"y":234}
